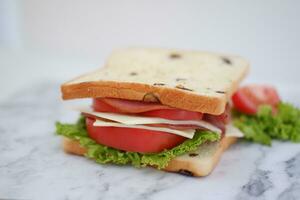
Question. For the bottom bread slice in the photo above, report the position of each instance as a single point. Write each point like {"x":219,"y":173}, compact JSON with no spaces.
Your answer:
{"x":198,"y":163}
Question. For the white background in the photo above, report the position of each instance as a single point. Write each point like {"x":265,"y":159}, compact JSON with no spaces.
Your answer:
{"x":54,"y":40}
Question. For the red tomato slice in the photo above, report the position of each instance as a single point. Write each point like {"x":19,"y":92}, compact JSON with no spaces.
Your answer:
{"x":130,"y":106}
{"x":131,"y":139}
{"x":248,"y":98}
{"x":144,"y":109}
{"x":101,"y":106}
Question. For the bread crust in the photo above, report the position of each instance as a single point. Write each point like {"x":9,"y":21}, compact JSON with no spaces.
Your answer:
{"x":140,"y":92}
{"x":73,"y":147}
{"x":189,"y":167}
{"x":207,"y":165}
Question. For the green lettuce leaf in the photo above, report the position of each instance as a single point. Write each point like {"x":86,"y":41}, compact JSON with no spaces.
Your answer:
{"x":264,"y":126}
{"x":104,"y":154}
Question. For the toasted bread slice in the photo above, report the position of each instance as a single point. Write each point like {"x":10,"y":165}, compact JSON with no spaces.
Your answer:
{"x":190,"y":80}
{"x":198,"y":163}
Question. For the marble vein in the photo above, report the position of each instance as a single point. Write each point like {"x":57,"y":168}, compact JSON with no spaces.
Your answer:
{"x":259,"y":181}
{"x":292,"y":192}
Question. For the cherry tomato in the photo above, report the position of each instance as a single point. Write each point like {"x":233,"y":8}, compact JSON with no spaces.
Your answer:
{"x":247,"y":99}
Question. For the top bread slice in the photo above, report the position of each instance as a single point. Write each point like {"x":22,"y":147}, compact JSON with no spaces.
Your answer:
{"x":190,"y":80}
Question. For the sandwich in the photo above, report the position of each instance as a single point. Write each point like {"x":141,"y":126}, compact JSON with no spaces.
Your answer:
{"x":162,"y":108}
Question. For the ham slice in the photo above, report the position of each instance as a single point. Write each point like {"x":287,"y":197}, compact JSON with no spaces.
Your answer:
{"x":220,"y":121}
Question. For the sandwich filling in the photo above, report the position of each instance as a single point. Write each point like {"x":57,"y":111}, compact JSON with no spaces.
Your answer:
{"x":156,"y":127}
{"x":143,"y":133}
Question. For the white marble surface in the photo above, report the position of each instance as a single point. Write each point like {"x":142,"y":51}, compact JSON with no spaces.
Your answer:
{"x":33,"y":166}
